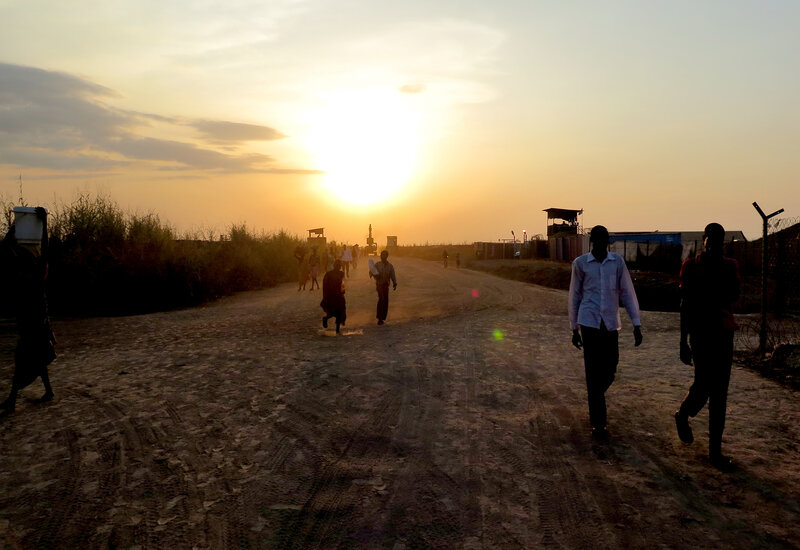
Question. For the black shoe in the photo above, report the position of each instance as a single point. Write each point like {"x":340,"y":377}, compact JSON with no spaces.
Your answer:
{"x":600,"y":434}
{"x":722,"y":463}
{"x":380,"y":321}
{"x":45,"y":398}
{"x":684,"y":430}
{"x":325,"y":322}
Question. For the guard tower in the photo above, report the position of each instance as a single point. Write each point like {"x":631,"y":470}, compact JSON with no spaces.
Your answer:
{"x":562,"y":222}
{"x":316,"y":238}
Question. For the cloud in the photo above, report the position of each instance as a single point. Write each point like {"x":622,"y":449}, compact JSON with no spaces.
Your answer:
{"x":186,"y":154}
{"x":60,"y":121}
{"x":412,"y":89}
{"x":222,"y":131}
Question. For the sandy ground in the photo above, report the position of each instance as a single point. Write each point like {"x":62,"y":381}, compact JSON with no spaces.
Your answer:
{"x":242,"y":425}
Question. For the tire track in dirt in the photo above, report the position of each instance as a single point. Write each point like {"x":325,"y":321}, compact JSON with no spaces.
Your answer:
{"x":472,"y":523}
{"x":422,"y":507}
{"x":162,"y":491}
{"x":332,"y":495}
{"x":62,"y":516}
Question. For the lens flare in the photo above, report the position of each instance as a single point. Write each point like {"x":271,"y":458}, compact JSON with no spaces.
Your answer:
{"x":497,"y":334}
{"x":475,"y":293}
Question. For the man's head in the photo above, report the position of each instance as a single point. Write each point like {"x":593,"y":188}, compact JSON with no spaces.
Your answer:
{"x":714,"y":238}
{"x":384,"y":255}
{"x":337,"y":265}
{"x":599,"y":237}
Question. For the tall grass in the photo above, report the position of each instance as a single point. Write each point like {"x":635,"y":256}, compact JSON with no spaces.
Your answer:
{"x":106,"y":261}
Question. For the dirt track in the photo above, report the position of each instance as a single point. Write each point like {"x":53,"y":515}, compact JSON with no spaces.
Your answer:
{"x":240,"y":425}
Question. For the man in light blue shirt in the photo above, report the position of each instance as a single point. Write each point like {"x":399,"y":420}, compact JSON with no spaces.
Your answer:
{"x":600,"y":281}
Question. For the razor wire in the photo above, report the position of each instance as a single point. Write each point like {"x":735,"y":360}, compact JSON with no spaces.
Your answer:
{"x":783,"y":287}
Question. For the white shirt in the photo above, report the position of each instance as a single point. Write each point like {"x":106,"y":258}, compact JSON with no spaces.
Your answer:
{"x":347,"y":256}
{"x":596,"y":289}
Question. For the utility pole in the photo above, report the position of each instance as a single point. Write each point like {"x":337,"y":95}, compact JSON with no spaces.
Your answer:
{"x":762,"y":337}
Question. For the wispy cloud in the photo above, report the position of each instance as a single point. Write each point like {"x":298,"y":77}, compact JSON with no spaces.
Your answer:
{"x":222,"y":131}
{"x":412,"y":89}
{"x":60,"y":121}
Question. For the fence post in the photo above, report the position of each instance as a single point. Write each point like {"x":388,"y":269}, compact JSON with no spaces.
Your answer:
{"x":762,"y":336}
{"x":780,"y":278}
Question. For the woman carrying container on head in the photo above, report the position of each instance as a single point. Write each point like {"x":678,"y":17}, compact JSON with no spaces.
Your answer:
{"x":35,"y":350}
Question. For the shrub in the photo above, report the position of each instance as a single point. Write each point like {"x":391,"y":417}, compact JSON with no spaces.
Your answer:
{"x":105,"y":261}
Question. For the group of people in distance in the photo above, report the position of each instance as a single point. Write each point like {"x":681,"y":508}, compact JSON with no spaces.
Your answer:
{"x":333,"y":301}
{"x":309,"y":265}
{"x":600,"y":281}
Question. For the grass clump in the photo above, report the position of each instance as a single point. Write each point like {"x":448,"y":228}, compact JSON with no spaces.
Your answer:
{"x":105,"y":261}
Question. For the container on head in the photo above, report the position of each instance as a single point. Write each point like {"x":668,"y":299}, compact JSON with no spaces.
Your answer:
{"x":28,"y":226}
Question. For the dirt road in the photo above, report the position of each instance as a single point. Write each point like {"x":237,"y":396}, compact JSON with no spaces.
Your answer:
{"x":462,"y":423}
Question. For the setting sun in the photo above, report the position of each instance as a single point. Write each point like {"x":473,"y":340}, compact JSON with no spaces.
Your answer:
{"x":366,"y":143}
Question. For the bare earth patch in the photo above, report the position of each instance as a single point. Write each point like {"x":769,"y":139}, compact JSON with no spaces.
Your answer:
{"x":462,"y":423}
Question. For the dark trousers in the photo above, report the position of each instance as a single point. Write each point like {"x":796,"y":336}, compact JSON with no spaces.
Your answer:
{"x":600,"y":358}
{"x":713,"y":356}
{"x":339,"y":313}
{"x":383,"y":301}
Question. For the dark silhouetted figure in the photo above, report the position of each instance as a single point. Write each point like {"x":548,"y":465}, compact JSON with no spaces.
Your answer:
{"x":709,"y":287}
{"x":333,"y":302}
{"x":347,"y":259}
{"x":313,"y":264}
{"x":36,"y":344}
{"x":303,"y":269}
{"x":600,"y":281}
{"x":385,"y":275}
{"x":444,"y":258}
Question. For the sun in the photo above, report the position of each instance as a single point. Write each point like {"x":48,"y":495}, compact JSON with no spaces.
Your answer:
{"x":366,"y":142}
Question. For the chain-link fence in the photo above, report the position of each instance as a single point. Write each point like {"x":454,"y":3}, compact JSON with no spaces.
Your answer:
{"x":783,"y":286}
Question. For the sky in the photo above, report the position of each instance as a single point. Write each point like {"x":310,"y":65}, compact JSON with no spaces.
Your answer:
{"x":438,"y":121}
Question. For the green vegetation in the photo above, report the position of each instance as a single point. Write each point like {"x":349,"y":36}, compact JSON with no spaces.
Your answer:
{"x":105,"y":261}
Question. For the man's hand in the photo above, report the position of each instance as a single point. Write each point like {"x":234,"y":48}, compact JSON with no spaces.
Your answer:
{"x":637,"y":336}
{"x":686,"y":353}
{"x":576,"y":338}
{"x":394,"y":287}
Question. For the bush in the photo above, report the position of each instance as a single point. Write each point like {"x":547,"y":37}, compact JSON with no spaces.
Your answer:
{"x":104,"y":261}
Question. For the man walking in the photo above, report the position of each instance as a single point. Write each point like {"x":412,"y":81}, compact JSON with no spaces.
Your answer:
{"x":385,"y":273}
{"x":333,"y":302}
{"x":709,"y":287}
{"x":600,"y":281}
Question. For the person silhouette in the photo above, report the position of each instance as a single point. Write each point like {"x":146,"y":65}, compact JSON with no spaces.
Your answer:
{"x":313,"y":265}
{"x":709,"y":287}
{"x":600,"y":281}
{"x":36,"y":344}
{"x":385,"y":274}
{"x":303,"y":269}
{"x":333,"y":302}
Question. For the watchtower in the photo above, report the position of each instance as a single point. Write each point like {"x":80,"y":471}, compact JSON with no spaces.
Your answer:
{"x":562,"y":222}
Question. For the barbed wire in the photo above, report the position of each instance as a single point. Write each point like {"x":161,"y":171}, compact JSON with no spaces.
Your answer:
{"x":783,"y":260}
{"x":779,"y":331}
{"x":774,"y":226}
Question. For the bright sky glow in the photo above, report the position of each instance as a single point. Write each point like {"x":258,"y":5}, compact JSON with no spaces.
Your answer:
{"x":435,"y":121}
{"x":366,"y":142}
